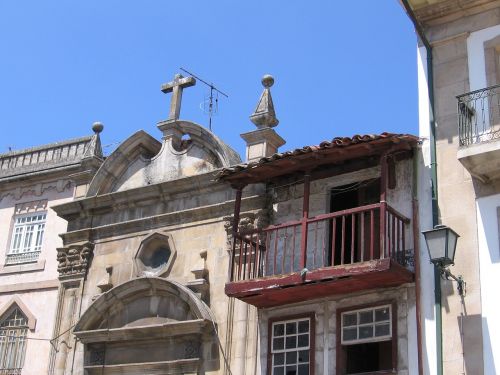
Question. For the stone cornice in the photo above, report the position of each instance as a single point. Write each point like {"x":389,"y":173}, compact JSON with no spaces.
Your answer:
{"x":449,"y":10}
{"x":141,"y":194}
{"x":171,"y":219}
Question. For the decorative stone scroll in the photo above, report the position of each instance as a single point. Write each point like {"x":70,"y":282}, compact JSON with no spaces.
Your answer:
{"x":74,"y":260}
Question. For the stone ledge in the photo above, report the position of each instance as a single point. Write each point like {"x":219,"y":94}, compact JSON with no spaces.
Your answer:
{"x":26,"y":287}
{"x":482,"y":160}
{"x":180,"y":366}
{"x":20,"y":268}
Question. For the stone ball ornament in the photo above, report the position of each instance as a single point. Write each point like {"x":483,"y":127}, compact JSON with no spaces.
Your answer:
{"x":155,"y":255}
{"x":97,"y":127}
{"x":267,"y":81}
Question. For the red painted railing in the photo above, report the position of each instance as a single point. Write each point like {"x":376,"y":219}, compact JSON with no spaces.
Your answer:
{"x":351,"y":236}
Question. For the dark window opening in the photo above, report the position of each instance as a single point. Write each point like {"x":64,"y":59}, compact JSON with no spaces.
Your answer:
{"x":157,"y":257}
{"x":351,"y":235}
{"x":368,"y":357}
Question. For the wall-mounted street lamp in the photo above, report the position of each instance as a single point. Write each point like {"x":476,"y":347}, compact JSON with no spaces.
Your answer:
{"x":441,"y":244}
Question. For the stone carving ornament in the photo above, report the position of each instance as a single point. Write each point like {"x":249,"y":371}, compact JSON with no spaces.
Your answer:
{"x":248,"y":221}
{"x":74,"y":260}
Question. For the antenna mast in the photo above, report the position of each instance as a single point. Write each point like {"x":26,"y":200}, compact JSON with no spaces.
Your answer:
{"x":211,"y":109}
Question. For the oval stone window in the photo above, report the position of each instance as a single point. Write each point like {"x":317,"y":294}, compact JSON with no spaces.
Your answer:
{"x":154,"y":256}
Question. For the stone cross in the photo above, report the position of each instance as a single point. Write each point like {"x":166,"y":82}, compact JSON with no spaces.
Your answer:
{"x":176,"y":87}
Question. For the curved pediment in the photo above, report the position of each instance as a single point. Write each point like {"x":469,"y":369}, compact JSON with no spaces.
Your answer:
{"x":127,"y":162}
{"x":146,"y":301}
{"x":187,"y":150}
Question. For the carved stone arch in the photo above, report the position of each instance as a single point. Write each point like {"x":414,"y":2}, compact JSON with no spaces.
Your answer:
{"x":16,"y":302}
{"x":138,"y":147}
{"x":148,"y":323}
{"x":225,"y":155}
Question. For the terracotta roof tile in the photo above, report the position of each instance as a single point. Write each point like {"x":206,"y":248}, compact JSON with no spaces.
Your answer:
{"x":337,"y":142}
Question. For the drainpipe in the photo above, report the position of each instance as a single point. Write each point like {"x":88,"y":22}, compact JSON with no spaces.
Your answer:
{"x":435,"y":207}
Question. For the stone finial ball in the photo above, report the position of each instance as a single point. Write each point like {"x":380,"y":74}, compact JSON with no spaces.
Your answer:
{"x":267,"y":81}
{"x":97,"y":127}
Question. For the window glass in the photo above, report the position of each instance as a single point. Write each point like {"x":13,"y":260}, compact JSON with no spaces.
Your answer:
{"x":366,"y":325}
{"x":13,"y":332}
{"x":27,"y":238}
{"x":291,"y":347}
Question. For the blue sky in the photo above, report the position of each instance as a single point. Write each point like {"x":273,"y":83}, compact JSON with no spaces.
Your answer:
{"x":340,"y":68}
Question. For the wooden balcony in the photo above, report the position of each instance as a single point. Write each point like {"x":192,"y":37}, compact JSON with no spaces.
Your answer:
{"x":336,"y":253}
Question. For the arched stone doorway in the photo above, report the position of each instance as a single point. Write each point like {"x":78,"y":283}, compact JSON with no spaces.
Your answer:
{"x":147,"y":325}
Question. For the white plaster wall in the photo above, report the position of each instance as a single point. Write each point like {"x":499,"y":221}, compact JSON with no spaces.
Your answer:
{"x":425,"y":216}
{"x":54,"y":225}
{"x":489,"y":260}
{"x":487,"y":221}
{"x":42,"y":302}
{"x":475,"y":56}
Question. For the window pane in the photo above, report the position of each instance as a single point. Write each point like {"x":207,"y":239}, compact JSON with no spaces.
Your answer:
{"x":13,"y":333}
{"x":382,"y":314}
{"x":365,"y":317}
{"x":287,"y":338}
{"x":304,"y":326}
{"x":291,"y":328}
{"x":279,"y":359}
{"x":291,"y":358}
{"x":382,"y":330}
{"x":278,"y":344}
{"x":27,"y":237}
{"x":304,"y":356}
{"x":349,"y":320}
{"x":350,"y":334}
{"x":291,"y":342}
{"x":303,"y":340}
{"x":303,"y":370}
{"x":279,"y":329}
{"x":365,"y":332}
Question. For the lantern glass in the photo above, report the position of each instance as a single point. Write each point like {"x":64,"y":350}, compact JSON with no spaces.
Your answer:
{"x":441,"y":244}
{"x":452,"y":244}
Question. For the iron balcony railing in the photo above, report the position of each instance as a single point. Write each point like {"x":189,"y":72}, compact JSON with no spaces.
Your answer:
{"x":479,"y":116}
{"x":352,"y":236}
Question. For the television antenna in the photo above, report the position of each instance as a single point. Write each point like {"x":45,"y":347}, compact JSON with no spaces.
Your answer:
{"x":213,"y":99}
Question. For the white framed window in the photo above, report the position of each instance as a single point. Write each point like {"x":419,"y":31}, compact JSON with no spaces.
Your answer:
{"x":291,"y":351}
{"x":27,"y":238}
{"x":367,"y":325}
{"x":13,"y":332}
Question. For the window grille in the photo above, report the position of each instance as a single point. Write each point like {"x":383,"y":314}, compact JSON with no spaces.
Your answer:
{"x":13,"y":332}
{"x":290,"y":347}
{"x":27,"y":237}
{"x":367,"y":325}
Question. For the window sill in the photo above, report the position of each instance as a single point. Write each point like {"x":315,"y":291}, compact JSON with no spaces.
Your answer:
{"x":379,"y":372}
{"x":20,"y":268}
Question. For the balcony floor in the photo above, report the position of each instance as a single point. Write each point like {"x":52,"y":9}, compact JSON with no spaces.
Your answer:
{"x":284,"y":289}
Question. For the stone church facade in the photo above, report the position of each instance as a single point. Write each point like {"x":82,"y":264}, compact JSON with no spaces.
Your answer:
{"x":180,"y":259}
